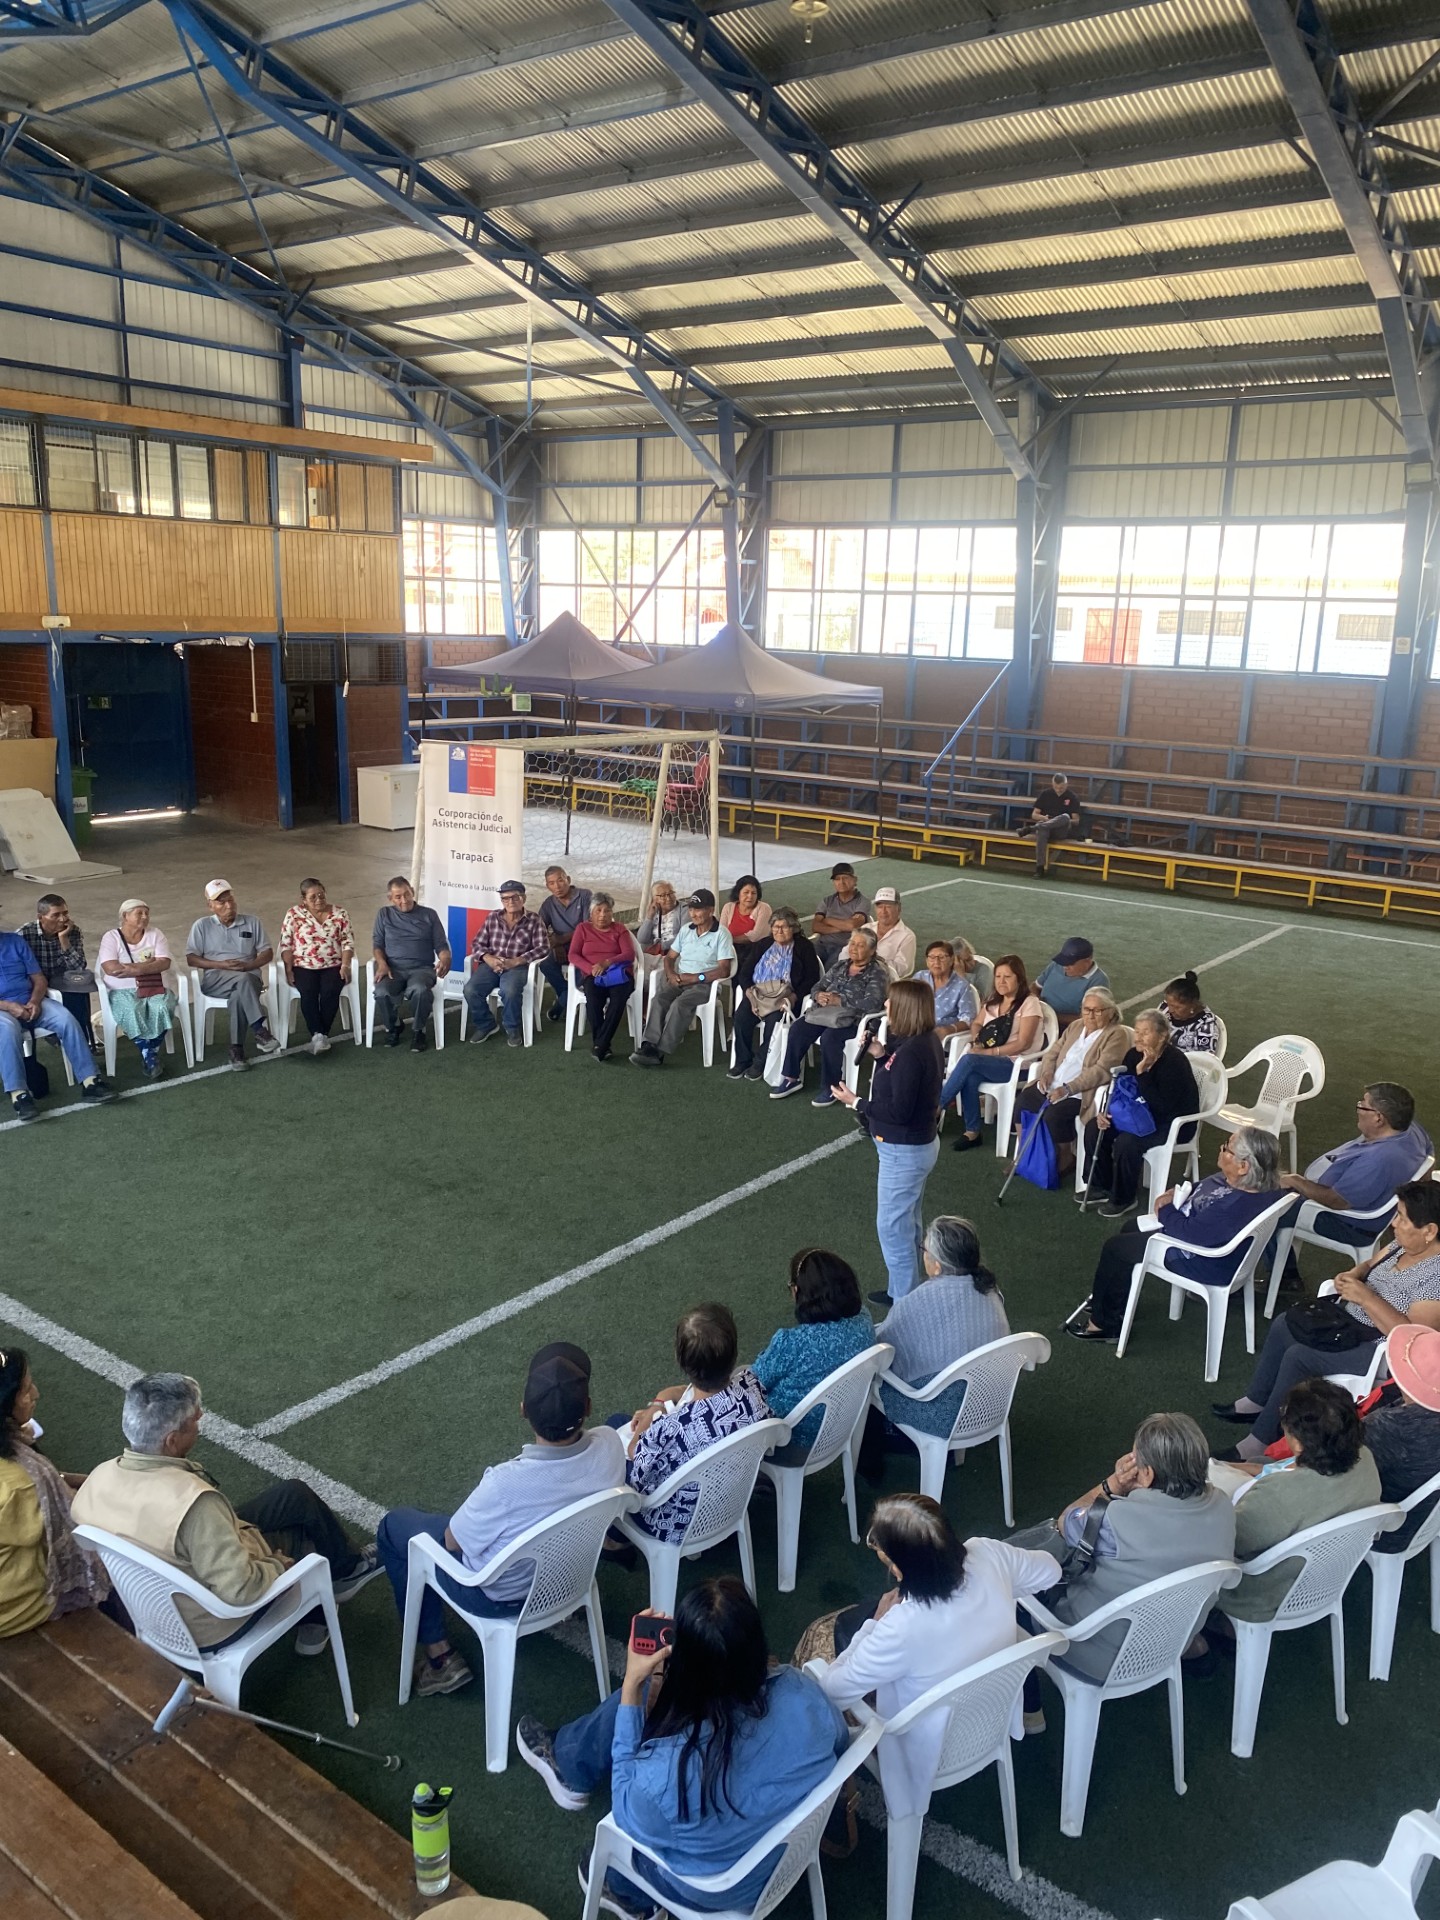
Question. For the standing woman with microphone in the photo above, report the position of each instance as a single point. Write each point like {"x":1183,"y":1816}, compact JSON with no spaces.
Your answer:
{"x":901,"y":1113}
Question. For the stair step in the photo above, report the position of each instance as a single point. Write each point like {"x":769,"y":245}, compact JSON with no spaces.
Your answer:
{"x":230,"y":1821}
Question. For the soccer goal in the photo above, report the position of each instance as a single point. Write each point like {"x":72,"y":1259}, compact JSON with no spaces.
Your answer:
{"x":621,"y":810}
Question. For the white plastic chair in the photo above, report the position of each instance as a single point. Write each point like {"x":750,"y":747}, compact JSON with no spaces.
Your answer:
{"x":1250,"y":1243}
{"x":1294,"y":1072}
{"x":287,"y":1006}
{"x":1160,"y":1619}
{"x":1387,"y":1571}
{"x":998,"y":1098}
{"x":148,"y":1585}
{"x":564,"y":1551}
{"x":724,"y":1478}
{"x":183,"y":1022}
{"x":845,"y":1396}
{"x":991,"y":1374}
{"x":577,"y":1013}
{"x":1346,"y":1890}
{"x":1329,"y":1553}
{"x":796,"y":1835}
{"x":204,"y":1007}
{"x":1210,"y":1083}
{"x":982,"y":1700}
{"x":1303,"y":1232}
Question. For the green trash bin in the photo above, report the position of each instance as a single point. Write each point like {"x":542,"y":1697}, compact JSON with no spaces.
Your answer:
{"x":82,"y":785}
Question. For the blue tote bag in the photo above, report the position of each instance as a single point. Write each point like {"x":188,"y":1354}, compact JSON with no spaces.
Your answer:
{"x":1035,"y":1161}
{"x":1127,"y":1108}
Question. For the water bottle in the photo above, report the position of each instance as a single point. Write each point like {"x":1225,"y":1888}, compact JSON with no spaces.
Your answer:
{"x":430,"y":1835}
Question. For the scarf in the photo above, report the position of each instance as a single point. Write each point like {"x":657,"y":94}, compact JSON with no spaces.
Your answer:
{"x":74,"y":1577}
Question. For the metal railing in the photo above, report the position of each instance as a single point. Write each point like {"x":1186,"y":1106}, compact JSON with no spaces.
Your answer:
{"x":949,"y":751}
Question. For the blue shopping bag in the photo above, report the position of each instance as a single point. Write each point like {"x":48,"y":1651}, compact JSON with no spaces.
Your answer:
{"x":1127,"y":1108}
{"x":1035,"y":1161}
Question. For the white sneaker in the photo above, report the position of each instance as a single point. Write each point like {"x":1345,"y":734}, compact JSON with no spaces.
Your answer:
{"x":312,"y":1637}
{"x":319,"y":1044}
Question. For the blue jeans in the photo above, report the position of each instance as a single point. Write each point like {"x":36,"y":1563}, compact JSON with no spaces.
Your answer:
{"x":554,"y":972}
{"x":52,"y":1018}
{"x":582,"y":1760}
{"x":899,"y":1210}
{"x":392,"y":1538}
{"x":833,"y":1041}
{"x":971,"y":1072}
{"x":482,"y":983}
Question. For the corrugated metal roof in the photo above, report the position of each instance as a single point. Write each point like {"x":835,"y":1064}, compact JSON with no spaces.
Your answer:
{"x":1150,"y":133}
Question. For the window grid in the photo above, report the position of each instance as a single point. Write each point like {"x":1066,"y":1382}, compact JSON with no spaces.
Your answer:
{"x":940,"y":593}
{"x":452,"y":579}
{"x":1313,"y":597}
{"x":605,"y":578}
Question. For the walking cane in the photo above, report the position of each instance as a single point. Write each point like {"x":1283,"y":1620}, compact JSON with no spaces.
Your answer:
{"x":1102,"y":1102}
{"x":1021,"y":1137}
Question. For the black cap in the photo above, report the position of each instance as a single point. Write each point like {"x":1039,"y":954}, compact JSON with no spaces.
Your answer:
{"x":512,"y":886}
{"x":557,"y":1389}
{"x":702,"y":897}
{"x":842,"y":866}
{"x":1074,"y":950}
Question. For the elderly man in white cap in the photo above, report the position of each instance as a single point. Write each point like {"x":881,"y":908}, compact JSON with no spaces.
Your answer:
{"x":234,"y":950}
{"x":894,"y":941}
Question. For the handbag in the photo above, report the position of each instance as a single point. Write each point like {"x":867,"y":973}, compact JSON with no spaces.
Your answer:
{"x":1077,"y":1563}
{"x":995,"y":1032}
{"x":615,"y":975}
{"x":148,"y":986}
{"x":768,"y":997}
{"x":1128,"y":1110}
{"x":1328,"y":1327}
{"x":834,"y":1017}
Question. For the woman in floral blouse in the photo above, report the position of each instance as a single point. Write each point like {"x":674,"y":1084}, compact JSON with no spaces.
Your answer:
{"x":1193,"y":1027}
{"x":317,"y":951}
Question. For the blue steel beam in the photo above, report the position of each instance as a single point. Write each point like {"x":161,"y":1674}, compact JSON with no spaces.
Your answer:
{"x":429,"y":202}
{"x":29,"y":20}
{"x":753,"y":110}
{"x":58,"y":182}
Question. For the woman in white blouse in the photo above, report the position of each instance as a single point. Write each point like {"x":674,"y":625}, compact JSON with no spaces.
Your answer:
{"x":1073,"y":1069}
{"x":953,"y":1604}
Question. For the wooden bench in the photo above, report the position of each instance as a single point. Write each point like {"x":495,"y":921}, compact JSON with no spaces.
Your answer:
{"x":229,"y":1820}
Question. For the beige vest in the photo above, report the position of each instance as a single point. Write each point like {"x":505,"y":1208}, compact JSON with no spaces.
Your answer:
{"x":147,"y":1505}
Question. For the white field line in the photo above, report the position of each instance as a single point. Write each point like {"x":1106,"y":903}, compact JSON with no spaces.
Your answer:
{"x":1206,"y":967}
{"x":547,"y":1289}
{"x":1158,"y":906}
{"x":186,"y":1079}
{"x":1035,"y":1898}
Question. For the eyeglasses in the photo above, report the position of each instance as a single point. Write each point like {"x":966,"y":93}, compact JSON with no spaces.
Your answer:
{"x":1361,"y":1107}
{"x":1225,"y":1147}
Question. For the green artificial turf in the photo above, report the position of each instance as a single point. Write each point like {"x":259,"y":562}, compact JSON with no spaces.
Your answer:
{"x":277,"y":1233}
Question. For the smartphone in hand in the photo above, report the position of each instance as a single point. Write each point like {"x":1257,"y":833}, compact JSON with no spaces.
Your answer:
{"x":651,"y":1633}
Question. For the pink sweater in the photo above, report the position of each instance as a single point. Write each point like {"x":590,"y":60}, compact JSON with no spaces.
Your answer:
{"x":592,"y":949}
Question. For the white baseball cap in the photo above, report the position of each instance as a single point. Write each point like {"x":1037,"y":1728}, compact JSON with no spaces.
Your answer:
{"x":884,"y":894}
{"x":214,"y":888}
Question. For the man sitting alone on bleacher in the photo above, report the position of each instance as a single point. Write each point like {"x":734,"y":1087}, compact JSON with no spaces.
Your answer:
{"x":1055,"y":816}
{"x":563,"y":1464}
{"x":157,"y":1497}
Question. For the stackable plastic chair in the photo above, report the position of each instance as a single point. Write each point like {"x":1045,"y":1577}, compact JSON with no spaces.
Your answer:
{"x":1303,"y":1233}
{"x":183,"y":1024}
{"x":845,"y":1396}
{"x":1330,"y":1553}
{"x":796,"y":1836}
{"x":1210,"y":1084}
{"x":1346,"y":1890}
{"x":1294,"y":1072}
{"x":1252,"y":1239}
{"x":1387,"y":1572}
{"x":991,"y":1374}
{"x":577,"y":1013}
{"x":287,"y":1006}
{"x":724,"y":1476}
{"x":982,"y":1700}
{"x":148,"y":1586}
{"x":204,"y":1007}
{"x":565,"y":1551}
{"x":1161,"y":1619}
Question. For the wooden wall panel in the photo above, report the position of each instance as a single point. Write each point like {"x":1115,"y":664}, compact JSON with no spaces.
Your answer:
{"x":173,"y":576}
{"x":334,"y":582}
{"x":22,"y":570}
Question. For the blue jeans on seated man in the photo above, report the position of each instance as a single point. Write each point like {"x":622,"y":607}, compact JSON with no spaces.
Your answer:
{"x":582,"y":1760}
{"x":553,"y":971}
{"x":482,"y":983}
{"x":393,"y":1536}
{"x":52,"y":1019}
{"x":964,"y":1081}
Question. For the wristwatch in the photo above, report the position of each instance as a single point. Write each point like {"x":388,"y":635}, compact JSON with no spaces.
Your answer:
{"x":701,"y":978}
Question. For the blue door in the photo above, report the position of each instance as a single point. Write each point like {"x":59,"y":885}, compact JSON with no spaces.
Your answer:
{"x":129,"y":724}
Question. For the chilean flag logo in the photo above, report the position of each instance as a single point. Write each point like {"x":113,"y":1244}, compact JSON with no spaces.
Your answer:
{"x":472,"y":770}
{"x":462,"y":924}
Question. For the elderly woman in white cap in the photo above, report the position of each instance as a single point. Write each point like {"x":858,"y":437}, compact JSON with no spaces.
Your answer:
{"x":134,"y":958}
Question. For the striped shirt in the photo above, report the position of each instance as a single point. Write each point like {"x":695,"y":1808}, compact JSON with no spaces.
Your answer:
{"x":1400,"y":1287}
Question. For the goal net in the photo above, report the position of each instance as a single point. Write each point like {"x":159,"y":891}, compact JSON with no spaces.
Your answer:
{"x":622,"y":810}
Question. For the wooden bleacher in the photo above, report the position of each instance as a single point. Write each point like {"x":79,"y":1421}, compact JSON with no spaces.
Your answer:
{"x":95,"y":1810}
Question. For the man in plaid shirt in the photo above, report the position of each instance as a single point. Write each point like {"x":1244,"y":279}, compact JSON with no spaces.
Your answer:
{"x":504,"y":947}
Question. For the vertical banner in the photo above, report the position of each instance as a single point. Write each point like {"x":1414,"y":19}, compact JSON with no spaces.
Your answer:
{"x":469,"y":832}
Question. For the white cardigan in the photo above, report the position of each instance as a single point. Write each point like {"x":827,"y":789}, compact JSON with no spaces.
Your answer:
{"x":919,"y":1644}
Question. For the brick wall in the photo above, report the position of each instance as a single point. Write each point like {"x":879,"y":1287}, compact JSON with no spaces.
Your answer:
{"x":25,"y":682}
{"x":447,"y":653}
{"x":376,"y":718}
{"x":234,"y":760}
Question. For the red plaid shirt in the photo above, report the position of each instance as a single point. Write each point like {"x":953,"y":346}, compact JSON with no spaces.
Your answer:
{"x":526,"y":940}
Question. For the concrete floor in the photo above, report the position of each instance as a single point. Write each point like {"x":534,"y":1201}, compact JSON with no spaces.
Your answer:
{"x":167,"y":863}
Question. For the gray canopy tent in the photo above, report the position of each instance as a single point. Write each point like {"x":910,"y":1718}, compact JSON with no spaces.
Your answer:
{"x":731,"y":674}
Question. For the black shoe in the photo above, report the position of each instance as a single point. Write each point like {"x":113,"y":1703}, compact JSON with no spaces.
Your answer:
{"x":647,"y":1057}
{"x":393,"y":1036}
{"x":755,"y":1073}
{"x":735,"y":1073}
{"x":98,"y":1092}
{"x":555,"y":1013}
{"x":1227,"y":1410}
{"x":1117,"y":1209}
{"x":880,"y":1299}
{"x":24,"y":1109}
{"x":966,"y":1142}
{"x":1091,"y":1333}
{"x":418,"y":1044}
{"x":1231,"y":1456}
{"x":1201,"y":1666}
